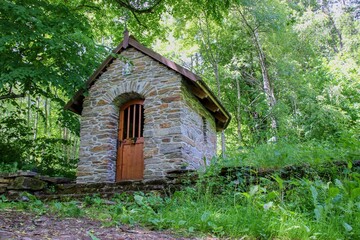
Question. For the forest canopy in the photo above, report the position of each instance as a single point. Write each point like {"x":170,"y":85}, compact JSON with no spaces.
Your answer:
{"x":288,"y":72}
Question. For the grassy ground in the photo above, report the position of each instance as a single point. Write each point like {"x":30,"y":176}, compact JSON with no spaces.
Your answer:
{"x":285,"y":153}
{"x":271,"y":208}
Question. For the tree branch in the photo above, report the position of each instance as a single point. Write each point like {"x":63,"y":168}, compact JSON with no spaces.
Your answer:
{"x":83,"y":6}
{"x":12,"y":96}
{"x":137,"y":19}
{"x":129,"y":5}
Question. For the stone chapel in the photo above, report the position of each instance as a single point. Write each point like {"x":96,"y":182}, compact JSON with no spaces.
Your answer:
{"x":142,"y":116}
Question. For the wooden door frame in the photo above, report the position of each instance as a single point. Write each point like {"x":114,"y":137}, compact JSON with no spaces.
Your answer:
{"x":119,"y":159}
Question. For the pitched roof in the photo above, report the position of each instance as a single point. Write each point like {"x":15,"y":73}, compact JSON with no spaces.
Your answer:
{"x":197,"y":85}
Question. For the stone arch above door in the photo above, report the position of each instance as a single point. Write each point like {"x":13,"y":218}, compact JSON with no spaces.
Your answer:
{"x":124,"y":98}
{"x":121,"y":93}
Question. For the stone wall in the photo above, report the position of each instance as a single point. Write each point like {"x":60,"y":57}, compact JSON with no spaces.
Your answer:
{"x":173,"y":134}
{"x":14,"y":186}
{"x":198,"y":131}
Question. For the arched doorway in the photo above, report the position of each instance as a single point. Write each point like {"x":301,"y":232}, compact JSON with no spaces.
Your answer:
{"x":130,"y":152}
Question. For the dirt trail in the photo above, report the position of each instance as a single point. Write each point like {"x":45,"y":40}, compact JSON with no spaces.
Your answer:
{"x":27,"y":226}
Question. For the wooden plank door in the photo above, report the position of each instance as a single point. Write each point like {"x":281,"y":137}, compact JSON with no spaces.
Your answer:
{"x":130,"y":153}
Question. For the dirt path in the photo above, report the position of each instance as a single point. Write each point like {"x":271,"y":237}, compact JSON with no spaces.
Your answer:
{"x":26,"y":226}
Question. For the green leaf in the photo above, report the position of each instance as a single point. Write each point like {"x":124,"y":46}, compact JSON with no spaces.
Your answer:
{"x":247,"y":195}
{"x":279,"y":181}
{"x":139,"y":199}
{"x":314,"y":194}
{"x":347,"y":227}
{"x":272,"y":195}
{"x":93,"y":237}
{"x":339,"y":184}
{"x":318,"y":212}
{"x":182,"y":222}
{"x":333,"y":191}
{"x":205,"y":216}
{"x":253,"y":190}
{"x":355,"y":193}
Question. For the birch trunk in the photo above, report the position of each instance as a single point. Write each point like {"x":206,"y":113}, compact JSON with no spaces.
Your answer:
{"x":238,"y":109}
{"x":46,"y":117}
{"x":267,"y":88}
{"x":36,"y":120}
{"x":28,"y":110}
{"x":326,"y":10}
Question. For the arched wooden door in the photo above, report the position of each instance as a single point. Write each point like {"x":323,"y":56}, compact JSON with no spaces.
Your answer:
{"x":130,"y":156}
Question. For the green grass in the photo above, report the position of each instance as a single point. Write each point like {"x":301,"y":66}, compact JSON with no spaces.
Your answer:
{"x":273,"y":208}
{"x":284,"y":153}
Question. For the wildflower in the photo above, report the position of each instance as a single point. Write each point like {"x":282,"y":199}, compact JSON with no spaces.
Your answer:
{"x":268,"y":205}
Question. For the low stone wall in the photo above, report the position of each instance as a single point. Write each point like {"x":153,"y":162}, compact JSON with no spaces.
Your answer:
{"x":251,"y":175}
{"x":14,"y":185}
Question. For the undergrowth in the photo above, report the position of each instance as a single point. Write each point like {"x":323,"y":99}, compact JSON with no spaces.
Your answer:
{"x":267,"y":208}
{"x":284,"y":153}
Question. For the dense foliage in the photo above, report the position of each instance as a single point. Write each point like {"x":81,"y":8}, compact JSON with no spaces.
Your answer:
{"x":46,"y":53}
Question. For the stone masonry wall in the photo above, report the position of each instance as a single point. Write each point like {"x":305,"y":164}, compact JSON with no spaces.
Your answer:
{"x":161,"y":89}
{"x":198,"y":131}
{"x":174,"y":134}
{"x":18,"y":185}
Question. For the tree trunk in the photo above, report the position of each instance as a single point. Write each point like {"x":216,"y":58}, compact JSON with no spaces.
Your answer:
{"x":36,"y":120}
{"x":49,"y":117}
{"x":217,"y":78}
{"x":28,"y":110}
{"x":269,"y":93}
{"x":65,"y":147}
{"x":238,"y":109}
{"x":46,"y":117}
{"x":326,"y":10}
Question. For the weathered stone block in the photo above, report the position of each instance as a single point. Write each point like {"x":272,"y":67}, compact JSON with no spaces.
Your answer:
{"x":165,"y":125}
{"x":4,"y":180}
{"x":171,"y":99}
{"x":22,"y":173}
{"x":27,"y":183}
{"x":56,"y":180}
